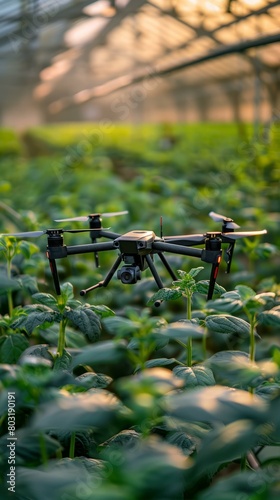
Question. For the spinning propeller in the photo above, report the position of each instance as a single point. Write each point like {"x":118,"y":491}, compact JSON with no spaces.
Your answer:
{"x":49,"y":232}
{"x":90,"y":217}
{"x":213,"y":240}
{"x":227,"y":222}
{"x":94,"y":224}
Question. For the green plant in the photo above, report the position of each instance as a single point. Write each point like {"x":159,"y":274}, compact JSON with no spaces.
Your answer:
{"x":186,"y":286}
{"x":9,"y":248}
{"x":62,"y":309}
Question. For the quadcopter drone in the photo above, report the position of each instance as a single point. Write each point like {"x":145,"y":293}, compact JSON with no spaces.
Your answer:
{"x":136,"y":249}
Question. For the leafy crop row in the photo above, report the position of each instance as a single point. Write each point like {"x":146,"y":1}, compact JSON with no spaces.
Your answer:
{"x":113,"y":402}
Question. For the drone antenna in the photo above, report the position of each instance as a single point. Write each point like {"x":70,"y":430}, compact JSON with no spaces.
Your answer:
{"x":161,"y":231}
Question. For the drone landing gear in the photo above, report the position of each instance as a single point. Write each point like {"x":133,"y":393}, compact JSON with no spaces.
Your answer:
{"x":106,"y":280}
{"x":131,"y":273}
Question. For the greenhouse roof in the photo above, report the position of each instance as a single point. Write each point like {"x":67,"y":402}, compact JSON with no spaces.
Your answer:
{"x":65,"y":58}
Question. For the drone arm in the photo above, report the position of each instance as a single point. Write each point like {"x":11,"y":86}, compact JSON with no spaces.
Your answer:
{"x":108,"y":234}
{"x":177,"y":249}
{"x":89,"y":248}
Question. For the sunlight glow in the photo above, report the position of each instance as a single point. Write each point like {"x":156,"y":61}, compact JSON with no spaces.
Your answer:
{"x":102,"y":8}
{"x":85,"y":31}
{"x":42,"y":91}
{"x":59,"y":68}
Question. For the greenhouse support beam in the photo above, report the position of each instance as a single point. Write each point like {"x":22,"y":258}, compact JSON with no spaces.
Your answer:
{"x":128,"y":80}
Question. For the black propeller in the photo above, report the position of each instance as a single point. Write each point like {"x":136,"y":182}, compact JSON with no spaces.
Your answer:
{"x":198,"y":239}
{"x":227,"y":222}
{"x":49,"y":232}
{"x":94,"y":224}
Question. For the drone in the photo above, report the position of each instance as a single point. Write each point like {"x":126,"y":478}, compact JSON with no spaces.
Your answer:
{"x":137,"y":248}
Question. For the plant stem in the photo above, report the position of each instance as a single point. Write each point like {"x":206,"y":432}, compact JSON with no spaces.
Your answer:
{"x":243,"y":463}
{"x":9,"y":293}
{"x":189,"y":342}
{"x":204,"y":349}
{"x":72,"y":445}
{"x":189,"y":356}
{"x":252,"y":337}
{"x":44,"y":454}
{"x":61,"y":337}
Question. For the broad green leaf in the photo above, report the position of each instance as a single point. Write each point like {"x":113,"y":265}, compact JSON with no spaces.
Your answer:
{"x":183,"y":441}
{"x":27,"y":248}
{"x":197,"y":375}
{"x":35,"y":361}
{"x":195,"y":271}
{"x":117,"y":325}
{"x":102,"y":353}
{"x":270,"y":318}
{"x":77,"y":412}
{"x":63,"y":362}
{"x":153,"y":469}
{"x":74,"y":338}
{"x":216,"y":404}
{"x":29,"y":446}
{"x":86,"y":320}
{"x":8,"y":284}
{"x":203,"y":286}
{"x":227,"y":324}
{"x":268,"y":391}
{"x":165,"y":294}
{"x":67,"y":293}
{"x":11,"y":347}
{"x":273,"y":417}
{"x":29,"y":283}
{"x":124,"y":439}
{"x":224,"y":305}
{"x":225,"y":444}
{"x":59,"y":479}
{"x":97,"y":380}
{"x":31,"y":320}
{"x":253,"y":485}
{"x":38,"y":350}
{"x":160,"y":362}
{"x":267,"y":297}
{"x":155,"y":381}
{"x":8,"y":372}
{"x":155,"y":339}
{"x":229,"y":302}
{"x":182,"y":330}
{"x":245,"y":292}
{"x":47,"y":299}
{"x":101,"y":310}
{"x":234,"y":368}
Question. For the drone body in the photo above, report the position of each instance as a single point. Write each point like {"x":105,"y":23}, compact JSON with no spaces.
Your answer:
{"x":136,"y":249}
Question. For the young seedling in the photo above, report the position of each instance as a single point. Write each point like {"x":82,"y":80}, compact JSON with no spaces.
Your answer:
{"x":9,"y":248}
{"x":185,"y":286}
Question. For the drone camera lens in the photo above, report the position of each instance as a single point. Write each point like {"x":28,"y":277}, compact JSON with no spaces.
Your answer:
{"x":127,"y":276}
